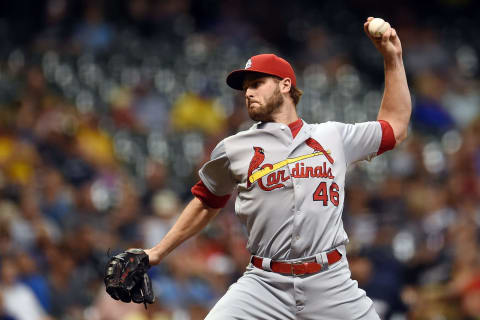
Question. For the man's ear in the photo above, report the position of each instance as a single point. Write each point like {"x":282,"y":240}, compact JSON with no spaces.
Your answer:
{"x":285,"y":84}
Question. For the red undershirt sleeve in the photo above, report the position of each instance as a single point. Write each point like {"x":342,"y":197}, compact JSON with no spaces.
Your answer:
{"x":200,"y":191}
{"x":388,"y":137}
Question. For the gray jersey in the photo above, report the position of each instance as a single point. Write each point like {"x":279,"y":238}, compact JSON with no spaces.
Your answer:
{"x":290,"y":190}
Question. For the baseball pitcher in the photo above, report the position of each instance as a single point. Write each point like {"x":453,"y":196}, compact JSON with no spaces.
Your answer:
{"x":289,"y":176}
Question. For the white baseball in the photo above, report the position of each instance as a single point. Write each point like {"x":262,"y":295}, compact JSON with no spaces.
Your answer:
{"x":377,"y":26}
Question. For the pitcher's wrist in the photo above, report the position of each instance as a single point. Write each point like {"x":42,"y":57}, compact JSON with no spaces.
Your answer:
{"x":393,"y":62}
{"x":153,"y":257}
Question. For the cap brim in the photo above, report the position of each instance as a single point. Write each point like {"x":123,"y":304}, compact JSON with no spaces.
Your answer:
{"x":235,"y":78}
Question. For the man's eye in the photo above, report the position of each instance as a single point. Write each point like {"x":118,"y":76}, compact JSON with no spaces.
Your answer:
{"x":254,"y":84}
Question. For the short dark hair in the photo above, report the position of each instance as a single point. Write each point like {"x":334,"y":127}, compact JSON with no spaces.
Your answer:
{"x":295,"y":93}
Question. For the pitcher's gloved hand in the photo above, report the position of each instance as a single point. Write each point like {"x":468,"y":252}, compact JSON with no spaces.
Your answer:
{"x":126,"y":277}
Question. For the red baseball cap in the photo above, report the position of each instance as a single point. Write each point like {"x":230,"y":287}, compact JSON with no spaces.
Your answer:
{"x":262,"y":63}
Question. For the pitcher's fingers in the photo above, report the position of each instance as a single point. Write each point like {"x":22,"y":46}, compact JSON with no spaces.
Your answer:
{"x":393,"y":35}
{"x":386,"y":36}
{"x":365,"y":27}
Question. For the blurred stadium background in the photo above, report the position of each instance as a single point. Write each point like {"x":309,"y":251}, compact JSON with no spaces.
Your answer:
{"x":108,"y":108}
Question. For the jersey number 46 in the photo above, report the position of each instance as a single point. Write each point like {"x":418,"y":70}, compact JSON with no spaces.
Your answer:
{"x":322,"y":193}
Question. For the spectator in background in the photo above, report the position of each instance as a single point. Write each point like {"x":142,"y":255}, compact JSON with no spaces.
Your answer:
{"x":429,"y":115}
{"x":18,"y":299}
{"x":33,"y":276}
{"x":423,"y":50}
{"x":56,"y":197}
{"x":196,"y":112}
{"x":361,"y":223}
{"x":3,"y":314}
{"x":29,"y":225}
{"x":164,"y":207}
{"x":20,"y":159}
{"x":93,"y":33}
{"x":150,"y":109}
{"x":94,"y":144}
{"x":55,"y":29}
{"x":462,"y":98}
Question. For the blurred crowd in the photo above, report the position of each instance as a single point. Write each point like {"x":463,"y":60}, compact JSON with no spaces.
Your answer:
{"x":109,"y":108}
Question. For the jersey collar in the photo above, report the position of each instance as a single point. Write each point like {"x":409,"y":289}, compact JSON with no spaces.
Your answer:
{"x":295,"y":127}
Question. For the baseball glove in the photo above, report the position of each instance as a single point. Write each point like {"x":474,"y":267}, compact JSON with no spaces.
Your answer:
{"x":126,"y":277}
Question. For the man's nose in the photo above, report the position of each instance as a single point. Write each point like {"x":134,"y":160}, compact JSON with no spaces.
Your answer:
{"x":249,"y":93}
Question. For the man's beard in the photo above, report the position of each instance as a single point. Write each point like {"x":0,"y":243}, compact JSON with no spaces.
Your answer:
{"x":264,"y":112}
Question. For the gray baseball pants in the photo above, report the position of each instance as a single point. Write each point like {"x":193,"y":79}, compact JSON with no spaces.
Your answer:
{"x":327,"y":295}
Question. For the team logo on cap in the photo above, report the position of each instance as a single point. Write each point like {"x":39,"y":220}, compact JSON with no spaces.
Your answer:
{"x":249,"y":64}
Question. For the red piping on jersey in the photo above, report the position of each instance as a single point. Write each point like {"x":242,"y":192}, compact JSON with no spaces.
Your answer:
{"x":295,"y":127}
{"x":388,"y":137}
{"x":200,"y":191}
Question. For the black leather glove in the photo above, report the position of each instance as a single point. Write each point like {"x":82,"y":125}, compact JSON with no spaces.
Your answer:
{"x":126,"y":277}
